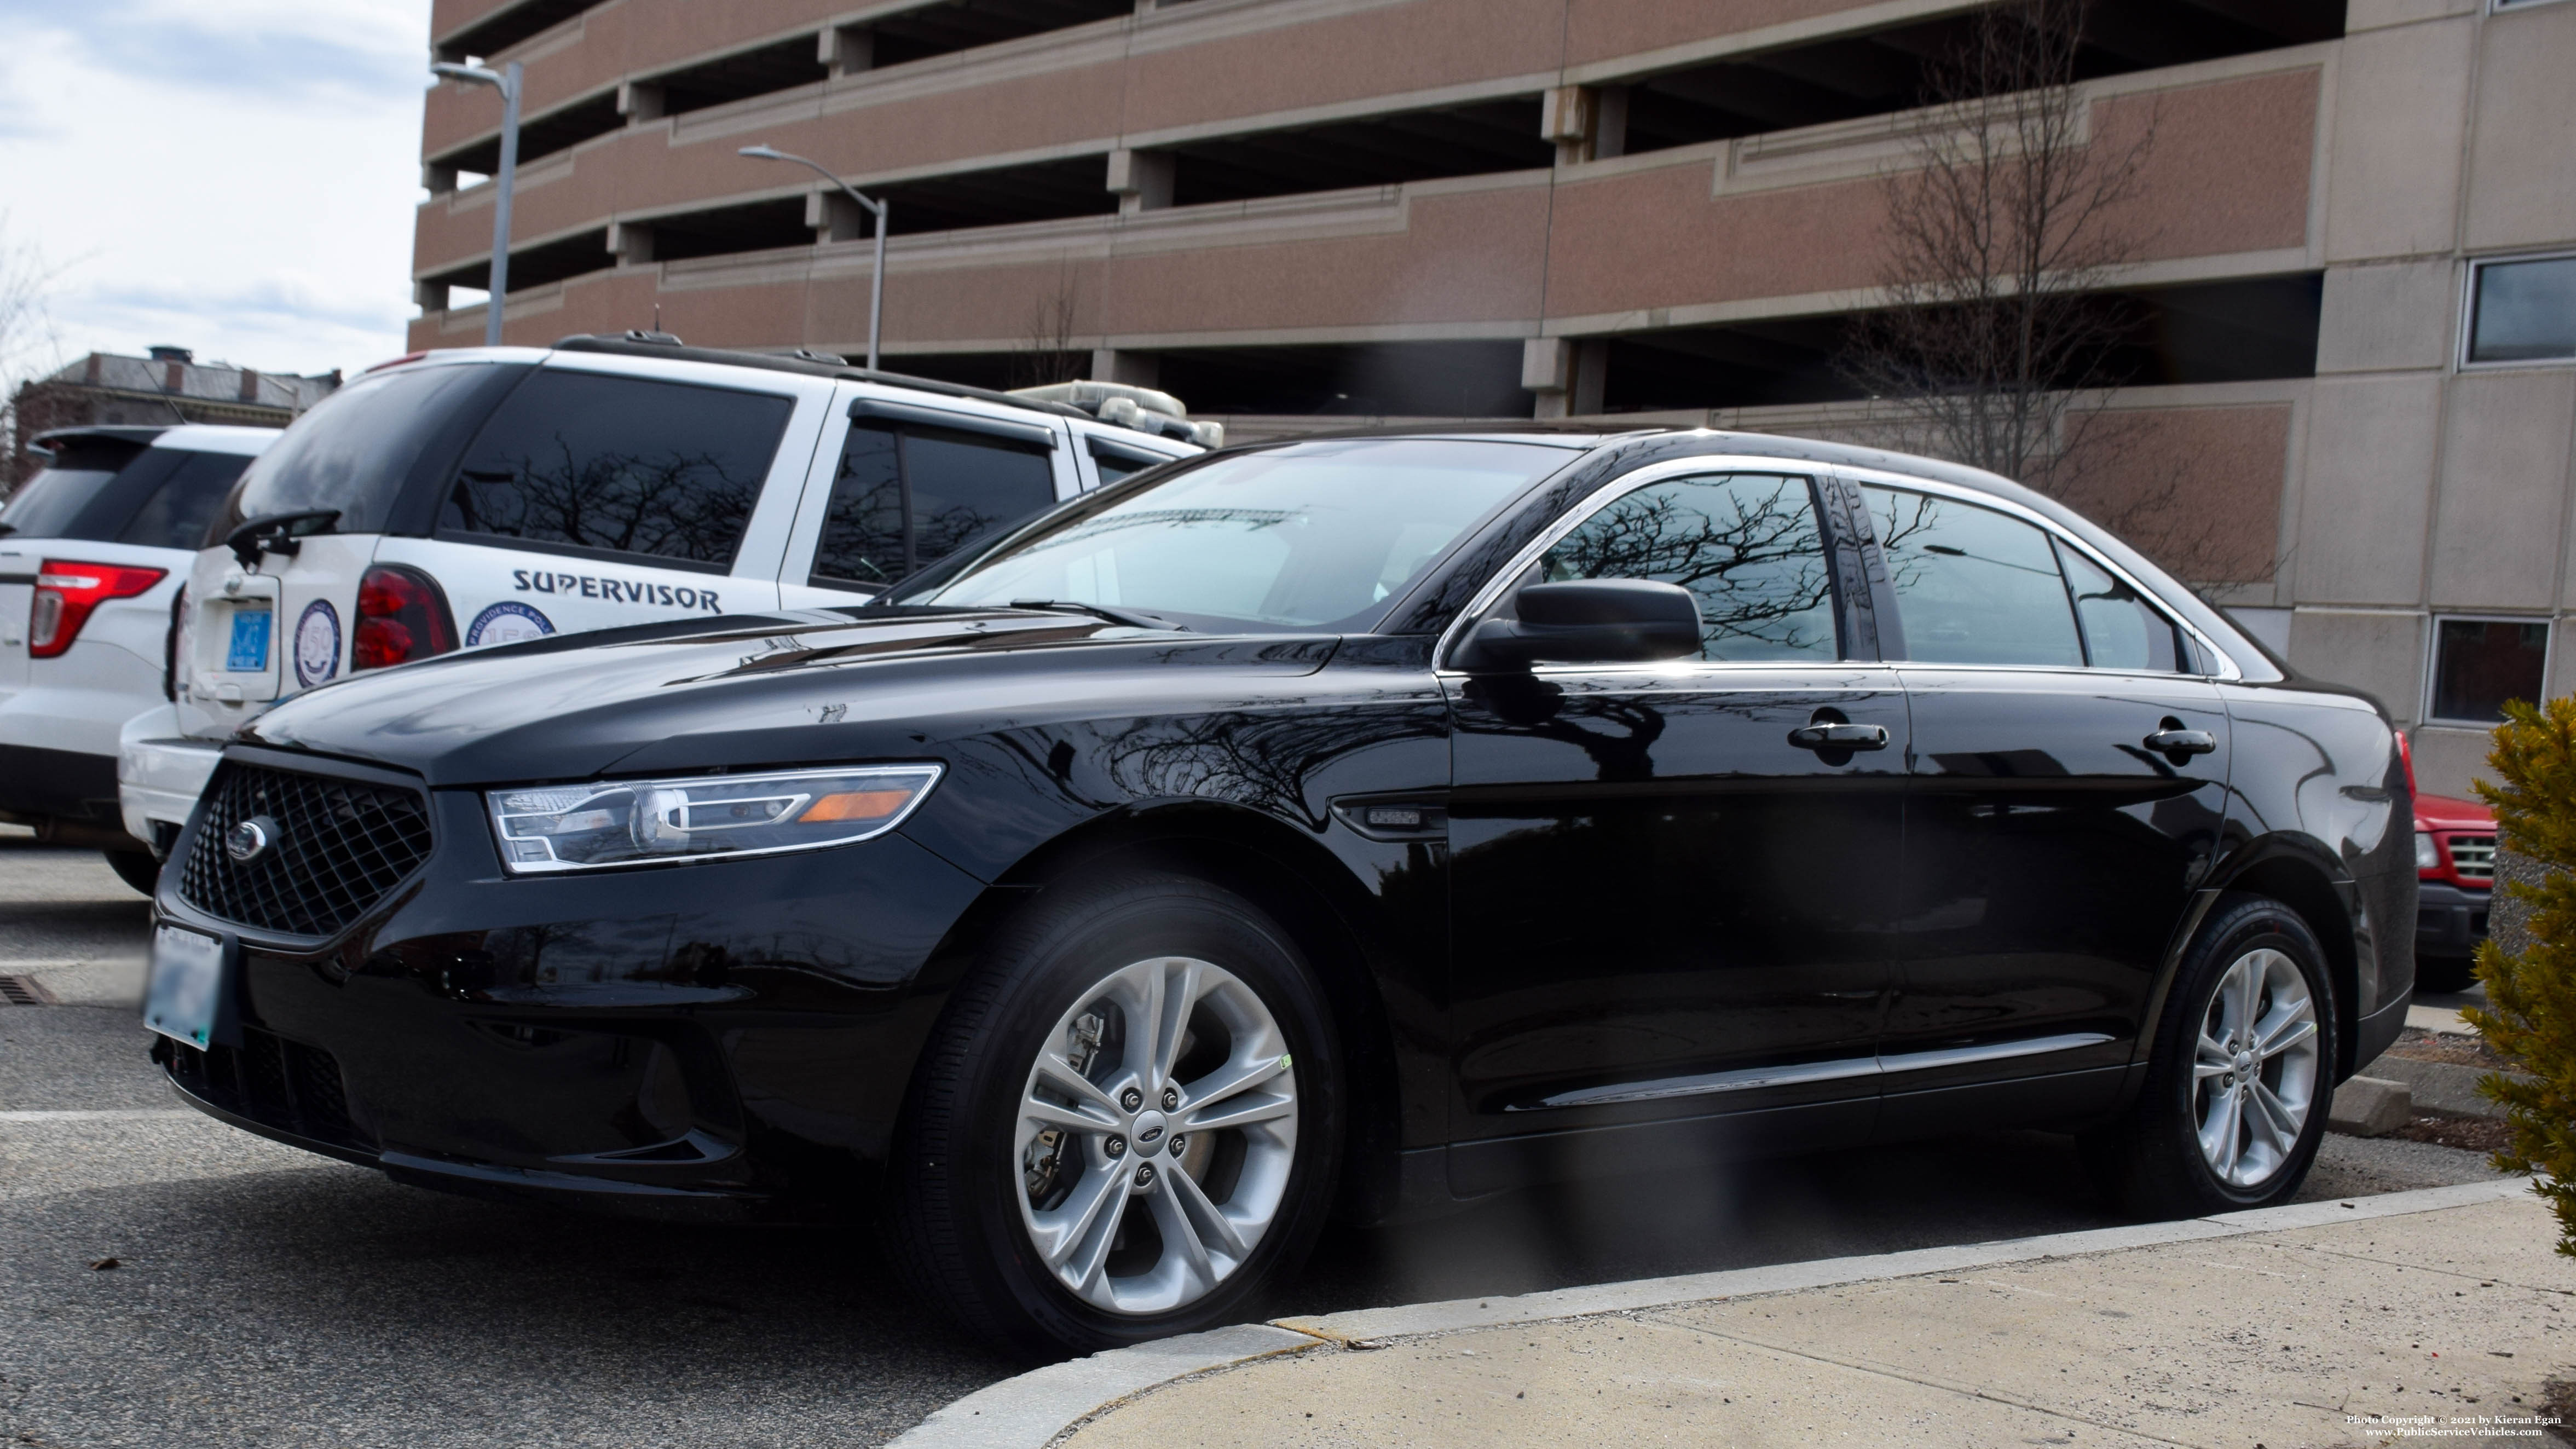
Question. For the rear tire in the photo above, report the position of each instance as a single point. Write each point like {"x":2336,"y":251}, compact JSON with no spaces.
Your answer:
{"x":1084,"y":1164}
{"x":2237,"y":1091}
{"x":135,"y":868}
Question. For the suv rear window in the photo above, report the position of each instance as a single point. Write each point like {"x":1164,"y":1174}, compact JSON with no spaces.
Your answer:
{"x":122,"y":492}
{"x":624,"y":465}
{"x":356,"y":449}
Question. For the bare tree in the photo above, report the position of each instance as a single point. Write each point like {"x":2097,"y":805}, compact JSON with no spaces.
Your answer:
{"x":2005,"y":228}
{"x":1046,"y":353}
{"x":27,"y":340}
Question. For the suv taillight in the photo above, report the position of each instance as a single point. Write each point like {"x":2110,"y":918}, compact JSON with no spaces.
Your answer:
{"x":65,"y":594}
{"x":401,"y":617}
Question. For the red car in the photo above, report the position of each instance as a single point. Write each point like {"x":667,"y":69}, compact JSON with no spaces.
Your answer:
{"x":2455,"y":845}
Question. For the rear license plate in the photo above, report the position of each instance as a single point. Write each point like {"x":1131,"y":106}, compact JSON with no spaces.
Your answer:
{"x":187,"y":982}
{"x":248,"y":653}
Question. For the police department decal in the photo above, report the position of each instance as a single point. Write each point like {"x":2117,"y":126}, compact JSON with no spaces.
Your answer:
{"x":508,"y":622}
{"x":317,"y":643}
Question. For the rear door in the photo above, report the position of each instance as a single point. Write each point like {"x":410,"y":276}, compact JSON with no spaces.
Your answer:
{"x":2051,"y":841}
{"x":908,"y":483}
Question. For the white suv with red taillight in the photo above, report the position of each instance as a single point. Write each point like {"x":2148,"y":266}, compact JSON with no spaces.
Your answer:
{"x":92,"y":549}
{"x":482,"y":496}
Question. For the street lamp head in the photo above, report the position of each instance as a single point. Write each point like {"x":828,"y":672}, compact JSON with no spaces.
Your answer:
{"x":762,"y":153}
{"x":470,"y":74}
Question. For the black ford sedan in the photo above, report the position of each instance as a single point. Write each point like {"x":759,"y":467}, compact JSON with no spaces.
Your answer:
{"x":1358,"y":825}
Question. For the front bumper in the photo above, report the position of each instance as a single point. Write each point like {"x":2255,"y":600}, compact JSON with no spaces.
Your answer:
{"x":721,"y":1039}
{"x":2449,"y":921}
{"x":160,"y":774}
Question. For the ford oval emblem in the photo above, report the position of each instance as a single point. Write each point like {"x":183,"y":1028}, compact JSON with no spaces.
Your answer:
{"x":251,"y":839}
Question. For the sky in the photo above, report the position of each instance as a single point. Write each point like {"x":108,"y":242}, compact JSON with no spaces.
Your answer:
{"x":238,"y":178}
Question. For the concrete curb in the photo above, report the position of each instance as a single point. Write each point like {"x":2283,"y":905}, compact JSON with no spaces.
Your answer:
{"x":1036,"y":1408}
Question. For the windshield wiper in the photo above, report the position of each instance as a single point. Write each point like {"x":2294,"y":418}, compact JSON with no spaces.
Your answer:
{"x":1100,"y":611}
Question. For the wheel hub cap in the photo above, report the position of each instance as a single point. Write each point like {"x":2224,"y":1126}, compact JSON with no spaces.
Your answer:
{"x":2255,"y":1071}
{"x":1157,"y":1134}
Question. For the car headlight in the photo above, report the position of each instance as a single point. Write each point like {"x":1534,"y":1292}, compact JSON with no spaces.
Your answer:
{"x":2427,"y":855}
{"x":634,"y":822}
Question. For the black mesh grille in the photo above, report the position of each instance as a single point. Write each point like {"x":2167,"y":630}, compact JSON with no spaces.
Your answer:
{"x":339,"y":846}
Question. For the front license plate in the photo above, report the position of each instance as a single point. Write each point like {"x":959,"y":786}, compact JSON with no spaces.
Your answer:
{"x":187,"y":981}
{"x":249,"y":651}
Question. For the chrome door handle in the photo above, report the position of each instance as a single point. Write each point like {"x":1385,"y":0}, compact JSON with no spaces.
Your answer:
{"x":1839,"y":737}
{"x":2182,"y":742}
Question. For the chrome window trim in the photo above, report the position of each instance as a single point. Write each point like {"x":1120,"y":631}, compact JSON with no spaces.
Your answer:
{"x":1602,"y":497}
{"x":1844,"y":1069}
{"x":2227,"y":669}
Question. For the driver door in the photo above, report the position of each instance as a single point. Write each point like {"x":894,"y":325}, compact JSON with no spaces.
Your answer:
{"x":1670,"y":903}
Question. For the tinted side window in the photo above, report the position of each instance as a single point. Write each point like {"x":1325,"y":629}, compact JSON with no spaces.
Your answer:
{"x":622,"y":464}
{"x":2120,"y":630}
{"x":906,"y":498}
{"x":1746,"y":543}
{"x":1115,"y":466}
{"x":176,"y":514}
{"x":1972,"y":585}
{"x":863,"y":533}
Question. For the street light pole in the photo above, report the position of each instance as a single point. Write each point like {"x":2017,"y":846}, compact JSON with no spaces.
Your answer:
{"x":505,"y":80}
{"x":876,"y":277}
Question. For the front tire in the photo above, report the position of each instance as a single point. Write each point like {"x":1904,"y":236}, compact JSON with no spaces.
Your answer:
{"x":2236,"y":1094}
{"x":1125,"y":1124}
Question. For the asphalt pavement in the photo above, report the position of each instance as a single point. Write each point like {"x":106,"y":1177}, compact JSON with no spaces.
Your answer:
{"x":265,"y":1296}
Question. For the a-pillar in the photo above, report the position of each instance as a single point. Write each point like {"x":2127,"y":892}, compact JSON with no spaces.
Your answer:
{"x":1141,"y":180}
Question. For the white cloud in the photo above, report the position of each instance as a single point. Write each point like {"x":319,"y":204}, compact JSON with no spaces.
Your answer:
{"x":237,"y":179}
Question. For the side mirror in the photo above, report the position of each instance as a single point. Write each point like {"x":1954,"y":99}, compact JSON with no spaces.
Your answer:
{"x":1586,"y":621}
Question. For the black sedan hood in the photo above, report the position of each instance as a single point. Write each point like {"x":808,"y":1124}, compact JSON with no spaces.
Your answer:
{"x":751,"y":691}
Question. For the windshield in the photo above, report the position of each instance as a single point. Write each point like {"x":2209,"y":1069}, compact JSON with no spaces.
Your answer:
{"x":1313,"y":535}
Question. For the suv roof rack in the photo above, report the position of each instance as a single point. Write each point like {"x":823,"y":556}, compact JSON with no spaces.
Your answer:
{"x":632,"y":344}
{"x":1140,"y":408}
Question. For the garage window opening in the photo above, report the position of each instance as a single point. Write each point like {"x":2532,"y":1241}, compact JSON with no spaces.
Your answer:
{"x":2478,"y":664}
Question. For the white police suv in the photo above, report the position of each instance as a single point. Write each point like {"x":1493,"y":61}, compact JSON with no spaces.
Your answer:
{"x":464,"y":498}
{"x":92,"y":552}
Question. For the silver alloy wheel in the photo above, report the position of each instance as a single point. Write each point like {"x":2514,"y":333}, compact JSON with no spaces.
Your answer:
{"x":1156,"y":1135}
{"x":2254,"y":1072}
